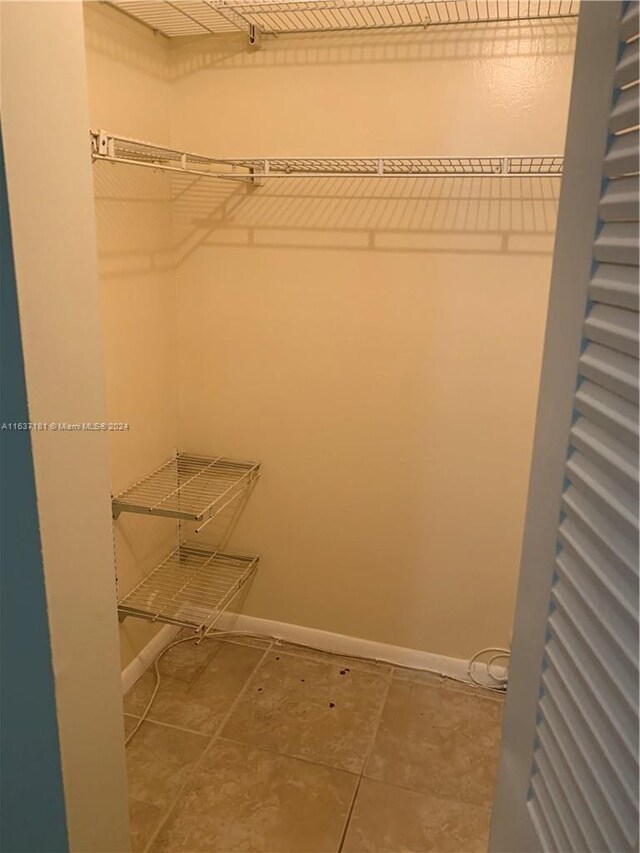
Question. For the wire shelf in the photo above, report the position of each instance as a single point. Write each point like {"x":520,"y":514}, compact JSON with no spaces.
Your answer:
{"x":175,"y":18}
{"x":391,"y":167}
{"x":120,"y":149}
{"x":196,"y":488}
{"x":190,"y":588}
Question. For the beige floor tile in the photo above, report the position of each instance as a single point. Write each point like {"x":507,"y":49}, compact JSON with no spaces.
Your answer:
{"x":144,"y":819}
{"x":438,"y":741}
{"x":159,"y":759}
{"x":387,"y":819}
{"x":199,"y":684}
{"x":312,"y":709}
{"x":242,"y":798}
{"x":339,"y":660}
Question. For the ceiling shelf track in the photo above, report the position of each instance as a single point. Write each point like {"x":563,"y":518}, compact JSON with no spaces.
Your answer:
{"x":174,"y":18}
{"x":255,"y":170}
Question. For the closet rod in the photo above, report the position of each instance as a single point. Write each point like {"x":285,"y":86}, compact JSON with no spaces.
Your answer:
{"x":120,"y":149}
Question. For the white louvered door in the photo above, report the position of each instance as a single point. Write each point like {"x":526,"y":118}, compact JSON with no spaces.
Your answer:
{"x":569,"y":764}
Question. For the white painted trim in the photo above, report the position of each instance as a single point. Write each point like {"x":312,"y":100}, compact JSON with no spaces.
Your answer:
{"x":318,"y":639}
{"x":52,"y":213}
{"x":141,"y":663}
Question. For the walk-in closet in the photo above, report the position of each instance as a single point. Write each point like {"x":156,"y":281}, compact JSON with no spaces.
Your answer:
{"x":324,"y":234}
{"x":313,"y":317}
{"x":357,"y":336}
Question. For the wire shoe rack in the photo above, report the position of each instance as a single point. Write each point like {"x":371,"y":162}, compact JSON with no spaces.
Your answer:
{"x":190,"y":588}
{"x":190,"y":487}
{"x":174,"y":18}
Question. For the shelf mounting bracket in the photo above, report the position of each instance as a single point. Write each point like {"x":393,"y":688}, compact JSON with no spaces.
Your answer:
{"x":255,"y":37}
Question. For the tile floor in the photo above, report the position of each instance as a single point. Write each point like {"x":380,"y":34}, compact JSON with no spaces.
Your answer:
{"x":252,"y":746}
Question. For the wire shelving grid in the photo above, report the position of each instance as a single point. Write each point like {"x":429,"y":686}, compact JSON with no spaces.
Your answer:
{"x":120,"y":149}
{"x":191,"y":587}
{"x":190,"y":487}
{"x":175,"y":18}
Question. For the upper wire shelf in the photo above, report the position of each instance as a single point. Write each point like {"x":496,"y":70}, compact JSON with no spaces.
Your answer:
{"x":120,"y":149}
{"x":190,"y":487}
{"x":175,"y":18}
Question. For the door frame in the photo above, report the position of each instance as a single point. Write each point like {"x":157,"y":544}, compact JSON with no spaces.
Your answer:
{"x":512,"y":829}
{"x":45,"y":121}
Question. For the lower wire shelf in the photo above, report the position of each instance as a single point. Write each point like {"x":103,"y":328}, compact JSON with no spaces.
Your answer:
{"x":190,"y":588}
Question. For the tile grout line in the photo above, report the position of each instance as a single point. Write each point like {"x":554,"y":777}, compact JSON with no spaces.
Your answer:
{"x":352,"y":806}
{"x":374,"y":736}
{"x":286,"y":754}
{"x":204,"y":735}
{"x":196,"y":764}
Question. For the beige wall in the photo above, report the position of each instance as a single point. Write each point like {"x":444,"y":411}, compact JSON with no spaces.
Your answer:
{"x":129,"y":90}
{"x":44,"y":116}
{"x":375,"y":344}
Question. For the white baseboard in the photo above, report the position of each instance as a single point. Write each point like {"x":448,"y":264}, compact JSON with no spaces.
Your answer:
{"x":340,"y":643}
{"x":140,"y":664}
{"x":358,"y":646}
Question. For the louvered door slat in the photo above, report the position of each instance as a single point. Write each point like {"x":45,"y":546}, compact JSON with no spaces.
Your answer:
{"x":557,"y":756}
{"x":566,"y":826}
{"x":629,"y":24}
{"x":602,"y":647}
{"x":590,"y":809}
{"x":622,"y":157}
{"x":610,"y":455}
{"x":610,"y":411}
{"x":607,"y":495}
{"x":596,"y":582}
{"x":620,"y":200}
{"x":572,"y":726}
{"x":581,"y":652}
{"x":592,"y":707}
{"x":605,"y":535}
{"x":616,"y":372}
{"x":607,"y":822}
{"x":616,"y":328}
{"x":627,"y":68}
{"x":617,"y":243}
{"x":613,"y":284}
{"x":550,"y":828}
{"x":625,"y":112}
